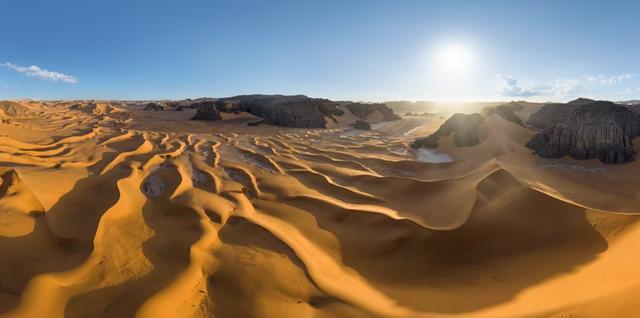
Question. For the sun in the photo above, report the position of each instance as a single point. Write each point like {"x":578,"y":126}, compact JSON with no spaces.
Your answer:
{"x":453,"y":59}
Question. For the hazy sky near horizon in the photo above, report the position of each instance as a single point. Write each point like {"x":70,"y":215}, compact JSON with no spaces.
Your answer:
{"x":360,"y":50}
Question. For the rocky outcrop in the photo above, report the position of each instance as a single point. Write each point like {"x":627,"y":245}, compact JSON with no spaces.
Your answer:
{"x":361,"y":125}
{"x":464,"y":127}
{"x":363,"y":110}
{"x":552,"y":114}
{"x":587,"y":130}
{"x":297,"y":111}
{"x":207,"y":111}
{"x":153,"y":107}
{"x":505,"y":111}
{"x":635,"y":108}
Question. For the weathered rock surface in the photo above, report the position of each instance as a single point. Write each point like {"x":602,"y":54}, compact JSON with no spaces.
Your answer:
{"x":635,"y":108}
{"x":587,"y":130}
{"x":464,"y":127}
{"x":361,"y":125}
{"x":505,"y":111}
{"x":153,"y":107}
{"x":363,"y":110}
{"x":207,"y":111}
{"x":551,"y":114}
{"x":296,"y":111}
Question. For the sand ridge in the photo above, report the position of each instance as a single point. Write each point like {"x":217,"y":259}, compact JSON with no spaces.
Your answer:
{"x":106,"y":210}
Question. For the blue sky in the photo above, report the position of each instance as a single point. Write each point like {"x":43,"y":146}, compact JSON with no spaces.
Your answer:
{"x":361,"y":50}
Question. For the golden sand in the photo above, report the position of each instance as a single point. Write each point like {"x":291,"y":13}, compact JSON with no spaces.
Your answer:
{"x":110,"y":211}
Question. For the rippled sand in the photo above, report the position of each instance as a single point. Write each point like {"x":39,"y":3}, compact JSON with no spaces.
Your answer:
{"x":108,"y":211}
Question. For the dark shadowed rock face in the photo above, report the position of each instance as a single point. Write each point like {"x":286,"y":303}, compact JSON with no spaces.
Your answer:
{"x":465,"y":129}
{"x":596,"y":130}
{"x":552,"y":114}
{"x":296,"y":111}
{"x":153,"y":107}
{"x":207,"y":111}
{"x":635,"y":108}
{"x":361,"y":125}
{"x":363,"y":110}
{"x":505,"y":111}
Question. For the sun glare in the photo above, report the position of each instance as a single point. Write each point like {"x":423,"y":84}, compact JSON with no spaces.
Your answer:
{"x":454,"y":59}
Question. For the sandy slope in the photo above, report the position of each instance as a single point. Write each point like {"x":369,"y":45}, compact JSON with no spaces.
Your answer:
{"x":107,"y":211}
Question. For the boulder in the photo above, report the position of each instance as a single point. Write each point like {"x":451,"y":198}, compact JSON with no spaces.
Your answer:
{"x":207,"y":111}
{"x":361,"y":125}
{"x":153,"y":107}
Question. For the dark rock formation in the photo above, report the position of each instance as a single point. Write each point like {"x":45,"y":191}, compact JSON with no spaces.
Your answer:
{"x":465,"y":129}
{"x":551,"y":114}
{"x":296,"y":111}
{"x":505,"y":111}
{"x":361,"y":125}
{"x":207,"y":111}
{"x":362,"y":110}
{"x":635,"y":108}
{"x":179,"y":109}
{"x":153,"y":107}
{"x":587,"y":130}
{"x":256,"y":123}
{"x":288,"y":111}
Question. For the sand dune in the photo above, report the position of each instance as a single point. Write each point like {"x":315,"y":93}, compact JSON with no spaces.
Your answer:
{"x":109,"y":211}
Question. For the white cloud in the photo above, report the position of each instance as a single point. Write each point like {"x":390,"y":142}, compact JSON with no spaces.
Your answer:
{"x":609,"y":80}
{"x":512,"y":87}
{"x":35,"y":71}
{"x":509,"y":86}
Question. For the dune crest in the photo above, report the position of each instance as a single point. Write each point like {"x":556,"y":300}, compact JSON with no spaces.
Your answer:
{"x":107,"y":210}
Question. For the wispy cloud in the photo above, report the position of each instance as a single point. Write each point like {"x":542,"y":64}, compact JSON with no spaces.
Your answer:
{"x":509,"y":86}
{"x":36,"y":71}
{"x":609,"y":80}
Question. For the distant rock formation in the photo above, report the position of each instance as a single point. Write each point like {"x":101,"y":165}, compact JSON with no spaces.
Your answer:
{"x":361,"y":125}
{"x":363,"y":110}
{"x":411,"y":106}
{"x":586,"y":129}
{"x":629,"y":102}
{"x":464,"y":127}
{"x":207,"y":111}
{"x":296,"y":111}
{"x":153,"y":107}
{"x":505,"y":111}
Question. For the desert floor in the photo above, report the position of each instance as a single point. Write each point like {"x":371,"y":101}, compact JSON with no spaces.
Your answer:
{"x":111,"y":211}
